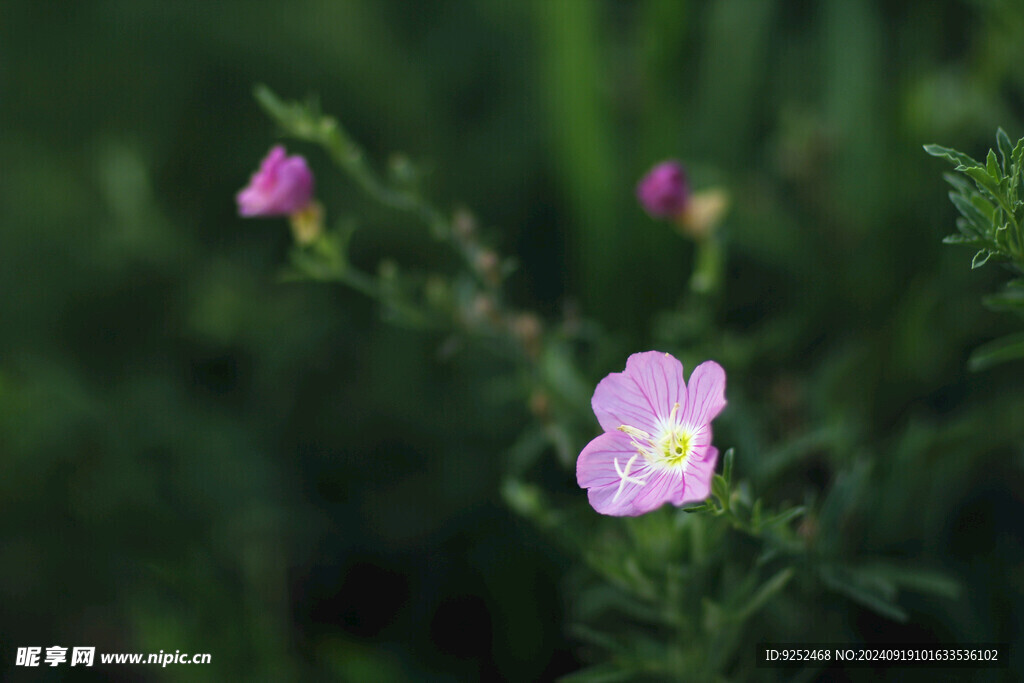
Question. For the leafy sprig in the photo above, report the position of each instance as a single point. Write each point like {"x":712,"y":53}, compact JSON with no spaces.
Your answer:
{"x":988,"y":195}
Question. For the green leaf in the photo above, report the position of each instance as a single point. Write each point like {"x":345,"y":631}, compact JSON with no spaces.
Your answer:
{"x":1011,"y":299}
{"x":727,"y":468}
{"x":720,"y":489}
{"x":961,"y":185}
{"x":982,"y":177}
{"x":917,"y":579}
{"x":992,"y":165}
{"x":987,"y":208}
{"x":1005,"y":149}
{"x":600,"y":673}
{"x":1010,"y":347}
{"x":785,"y":517}
{"x":963,"y":240}
{"x":981,"y":258}
{"x":765,"y":593}
{"x":952,"y":155}
{"x":969,"y":211}
{"x":874,"y":594}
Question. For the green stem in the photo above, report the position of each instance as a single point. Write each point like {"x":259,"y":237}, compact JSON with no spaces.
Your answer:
{"x":707,"y":272}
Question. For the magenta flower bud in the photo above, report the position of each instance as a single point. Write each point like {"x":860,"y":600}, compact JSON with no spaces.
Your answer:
{"x":282,"y":186}
{"x":663,"y":192}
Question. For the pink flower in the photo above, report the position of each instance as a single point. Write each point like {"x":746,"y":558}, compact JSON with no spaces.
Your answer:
{"x":663,"y":192}
{"x":656,"y":446}
{"x":282,"y":186}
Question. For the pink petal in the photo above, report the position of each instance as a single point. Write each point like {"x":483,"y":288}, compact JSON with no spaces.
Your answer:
{"x":662,"y":486}
{"x":705,"y":394}
{"x":697,"y":478}
{"x":642,"y":395}
{"x":596,"y":464}
{"x":699,"y":442}
{"x":595,"y":470}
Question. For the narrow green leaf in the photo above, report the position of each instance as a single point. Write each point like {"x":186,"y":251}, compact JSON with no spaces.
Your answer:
{"x":720,"y":489}
{"x":600,"y":673}
{"x":871,"y":596}
{"x":961,"y":185}
{"x":952,"y":155}
{"x":785,"y":517}
{"x":981,"y":258}
{"x":1005,"y":150}
{"x":969,"y":211}
{"x":1010,"y":347}
{"x":765,"y":593}
{"x":913,"y":578}
{"x":962,"y":240}
{"x":727,"y":468}
{"x":992,"y":165}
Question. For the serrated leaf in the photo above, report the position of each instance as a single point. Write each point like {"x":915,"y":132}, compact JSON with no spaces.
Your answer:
{"x":952,"y":155}
{"x":1010,"y":347}
{"x":980,"y":258}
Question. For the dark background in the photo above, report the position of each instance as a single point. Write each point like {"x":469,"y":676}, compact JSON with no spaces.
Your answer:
{"x":196,"y":456}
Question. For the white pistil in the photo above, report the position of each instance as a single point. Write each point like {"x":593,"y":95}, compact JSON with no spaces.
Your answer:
{"x":624,"y":476}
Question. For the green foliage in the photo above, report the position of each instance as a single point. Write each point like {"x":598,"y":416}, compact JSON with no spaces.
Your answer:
{"x":669,"y":617}
{"x":197,"y":455}
{"x":992,"y":221}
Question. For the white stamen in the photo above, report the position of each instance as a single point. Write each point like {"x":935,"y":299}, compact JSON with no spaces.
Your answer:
{"x":635,"y":433}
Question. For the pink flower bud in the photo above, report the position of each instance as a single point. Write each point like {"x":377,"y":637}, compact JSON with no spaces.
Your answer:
{"x":282,"y":186}
{"x":663,"y":192}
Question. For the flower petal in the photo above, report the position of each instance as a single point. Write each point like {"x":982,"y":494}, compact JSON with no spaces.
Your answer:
{"x":662,"y":487}
{"x":596,"y":470}
{"x":697,"y":479}
{"x":699,"y":442}
{"x":642,"y":395}
{"x":705,"y":394}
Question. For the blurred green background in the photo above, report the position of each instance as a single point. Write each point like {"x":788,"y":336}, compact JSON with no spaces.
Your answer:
{"x":198,"y":457}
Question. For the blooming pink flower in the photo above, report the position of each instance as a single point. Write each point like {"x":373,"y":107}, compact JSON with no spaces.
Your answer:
{"x":282,"y":186}
{"x":656,"y":446}
{"x":664,"y":192}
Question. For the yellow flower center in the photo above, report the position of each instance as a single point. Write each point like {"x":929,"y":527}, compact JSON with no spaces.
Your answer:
{"x":669,"y":448}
